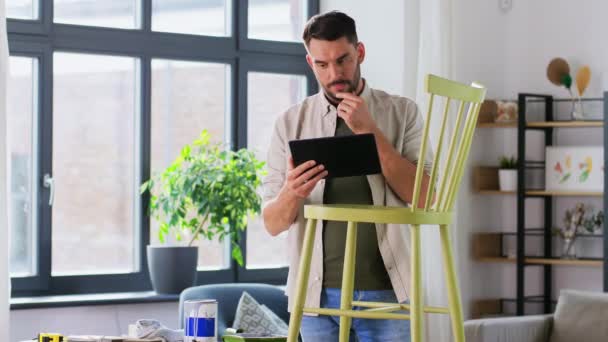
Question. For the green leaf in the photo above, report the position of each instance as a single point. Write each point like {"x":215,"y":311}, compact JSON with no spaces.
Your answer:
{"x":506,"y":162}
{"x":144,"y":187}
{"x":237,"y":254}
{"x":566,"y":80}
{"x":162,"y":232}
{"x":186,"y":152}
{"x":583,"y":177}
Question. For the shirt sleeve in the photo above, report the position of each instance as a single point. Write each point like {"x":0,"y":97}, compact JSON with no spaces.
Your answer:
{"x":412,"y":138}
{"x":276,"y":163}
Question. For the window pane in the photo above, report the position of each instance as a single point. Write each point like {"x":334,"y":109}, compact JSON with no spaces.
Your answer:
{"x":22,"y":9}
{"x":281,"y":20}
{"x":268,"y":96}
{"x":210,"y":17}
{"x":94,"y":149}
{"x":21,"y":138}
{"x":106,"y":13}
{"x":188,"y":97}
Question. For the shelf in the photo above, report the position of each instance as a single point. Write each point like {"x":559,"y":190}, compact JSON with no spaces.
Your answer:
{"x":487,"y":246}
{"x":485,"y":181}
{"x":495,"y":259}
{"x":495,"y":192}
{"x":563,"y":193}
{"x":498,"y":307}
{"x":543,"y":124}
{"x":486,"y":114}
{"x":497,"y":125}
{"x":564,"y":262}
{"x":544,"y":193}
{"x":542,"y":234}
{"x":527,"y":299}
{"x":564,"y":124}
{"x":486,"y":308}
{"x":544,"y":261}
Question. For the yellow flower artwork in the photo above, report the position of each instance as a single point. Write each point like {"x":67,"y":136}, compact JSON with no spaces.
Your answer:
{"x":574,"y":168}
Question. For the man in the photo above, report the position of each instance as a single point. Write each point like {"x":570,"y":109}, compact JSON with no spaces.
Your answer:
{"x":345,"y":105}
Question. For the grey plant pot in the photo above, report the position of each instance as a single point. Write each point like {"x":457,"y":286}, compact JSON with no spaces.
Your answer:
{"x":172,"y":269}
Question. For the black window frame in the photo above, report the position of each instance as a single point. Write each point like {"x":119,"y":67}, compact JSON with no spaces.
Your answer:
{"x":41,"y":38}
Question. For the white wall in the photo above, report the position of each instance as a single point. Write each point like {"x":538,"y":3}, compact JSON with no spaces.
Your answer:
{"x":382,"y":29}
{"x":89,"y":320}
{"x":540,"y":30}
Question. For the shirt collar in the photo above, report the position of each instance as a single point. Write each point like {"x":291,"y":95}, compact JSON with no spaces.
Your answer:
{"x":365,"y":95}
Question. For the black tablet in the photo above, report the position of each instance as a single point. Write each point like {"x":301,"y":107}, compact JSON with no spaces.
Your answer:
{"x":343,"y":156}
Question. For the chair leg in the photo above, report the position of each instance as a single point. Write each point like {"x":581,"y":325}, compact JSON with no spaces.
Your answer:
{"x":348,"y":279}
{"x":454,"y":302}
{"x":416,"y":297}
{"x":295,"y":320}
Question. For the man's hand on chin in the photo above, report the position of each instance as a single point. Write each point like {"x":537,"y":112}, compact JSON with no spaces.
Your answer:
{"x":353,"y":110}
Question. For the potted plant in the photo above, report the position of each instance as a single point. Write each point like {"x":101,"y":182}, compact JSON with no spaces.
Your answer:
{"x":207,"y":192}
{"x":507,"y":174}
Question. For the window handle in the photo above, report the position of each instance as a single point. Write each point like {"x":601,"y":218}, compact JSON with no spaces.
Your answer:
{"x":49,"y":183}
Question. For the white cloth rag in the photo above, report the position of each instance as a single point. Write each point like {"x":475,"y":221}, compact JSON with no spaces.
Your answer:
{"x":151,"y":328}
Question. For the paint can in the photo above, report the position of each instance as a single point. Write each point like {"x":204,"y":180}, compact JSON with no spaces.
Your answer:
{"x":200,"y":320}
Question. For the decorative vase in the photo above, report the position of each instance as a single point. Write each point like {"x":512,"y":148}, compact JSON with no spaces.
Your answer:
{"x":507,"y":179}
{"x":569,"y":248}
{"x":577,"y":109}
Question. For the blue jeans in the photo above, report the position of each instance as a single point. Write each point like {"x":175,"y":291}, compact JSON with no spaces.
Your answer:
{"x":326,"y":328}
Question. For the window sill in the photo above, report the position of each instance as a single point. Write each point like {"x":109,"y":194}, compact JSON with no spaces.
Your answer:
{"x":21,"y":303}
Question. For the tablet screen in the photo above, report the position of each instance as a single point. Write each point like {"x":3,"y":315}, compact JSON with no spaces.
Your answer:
{"x":342,"y":156}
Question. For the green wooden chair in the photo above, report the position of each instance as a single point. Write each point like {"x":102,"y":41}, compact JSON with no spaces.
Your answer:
{"x":437,"y":210}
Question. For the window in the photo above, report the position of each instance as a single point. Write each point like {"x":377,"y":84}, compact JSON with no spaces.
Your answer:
{"x":211,"y":18}
{"x":188,"y":97}
{"x":266,"y":93}
{"x":94,"y":144}
{"x":22,"y":9}
{"x":101,"y":95}
{"x":21,"y":112}
{"x":281,"y":20}
{"x":106,"y":13}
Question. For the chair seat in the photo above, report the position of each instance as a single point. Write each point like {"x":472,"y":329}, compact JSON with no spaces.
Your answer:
{"x":374,"y":214}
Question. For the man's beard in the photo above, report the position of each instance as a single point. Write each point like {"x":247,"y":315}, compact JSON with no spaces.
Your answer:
{"x":351,"y":86}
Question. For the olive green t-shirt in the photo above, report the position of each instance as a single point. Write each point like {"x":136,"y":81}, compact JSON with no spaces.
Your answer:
{"x":370,"y":273}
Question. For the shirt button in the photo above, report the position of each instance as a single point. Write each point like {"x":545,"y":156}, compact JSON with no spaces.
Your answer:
{"x":317,"y":278}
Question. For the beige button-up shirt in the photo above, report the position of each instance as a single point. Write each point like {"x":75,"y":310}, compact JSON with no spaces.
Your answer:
{"x":400,"y":121}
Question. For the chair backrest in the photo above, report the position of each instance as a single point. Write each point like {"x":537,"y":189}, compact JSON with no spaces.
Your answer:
{"x":459,"y":139}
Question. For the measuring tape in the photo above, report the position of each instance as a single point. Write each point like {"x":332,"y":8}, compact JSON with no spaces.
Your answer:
{"x":50,"y":338}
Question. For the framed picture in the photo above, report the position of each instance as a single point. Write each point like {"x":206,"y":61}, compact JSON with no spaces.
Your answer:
{"x":574,"y":168}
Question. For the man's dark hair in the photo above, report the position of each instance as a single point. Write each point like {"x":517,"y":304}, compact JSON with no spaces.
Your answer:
{"x":330,"y":26}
